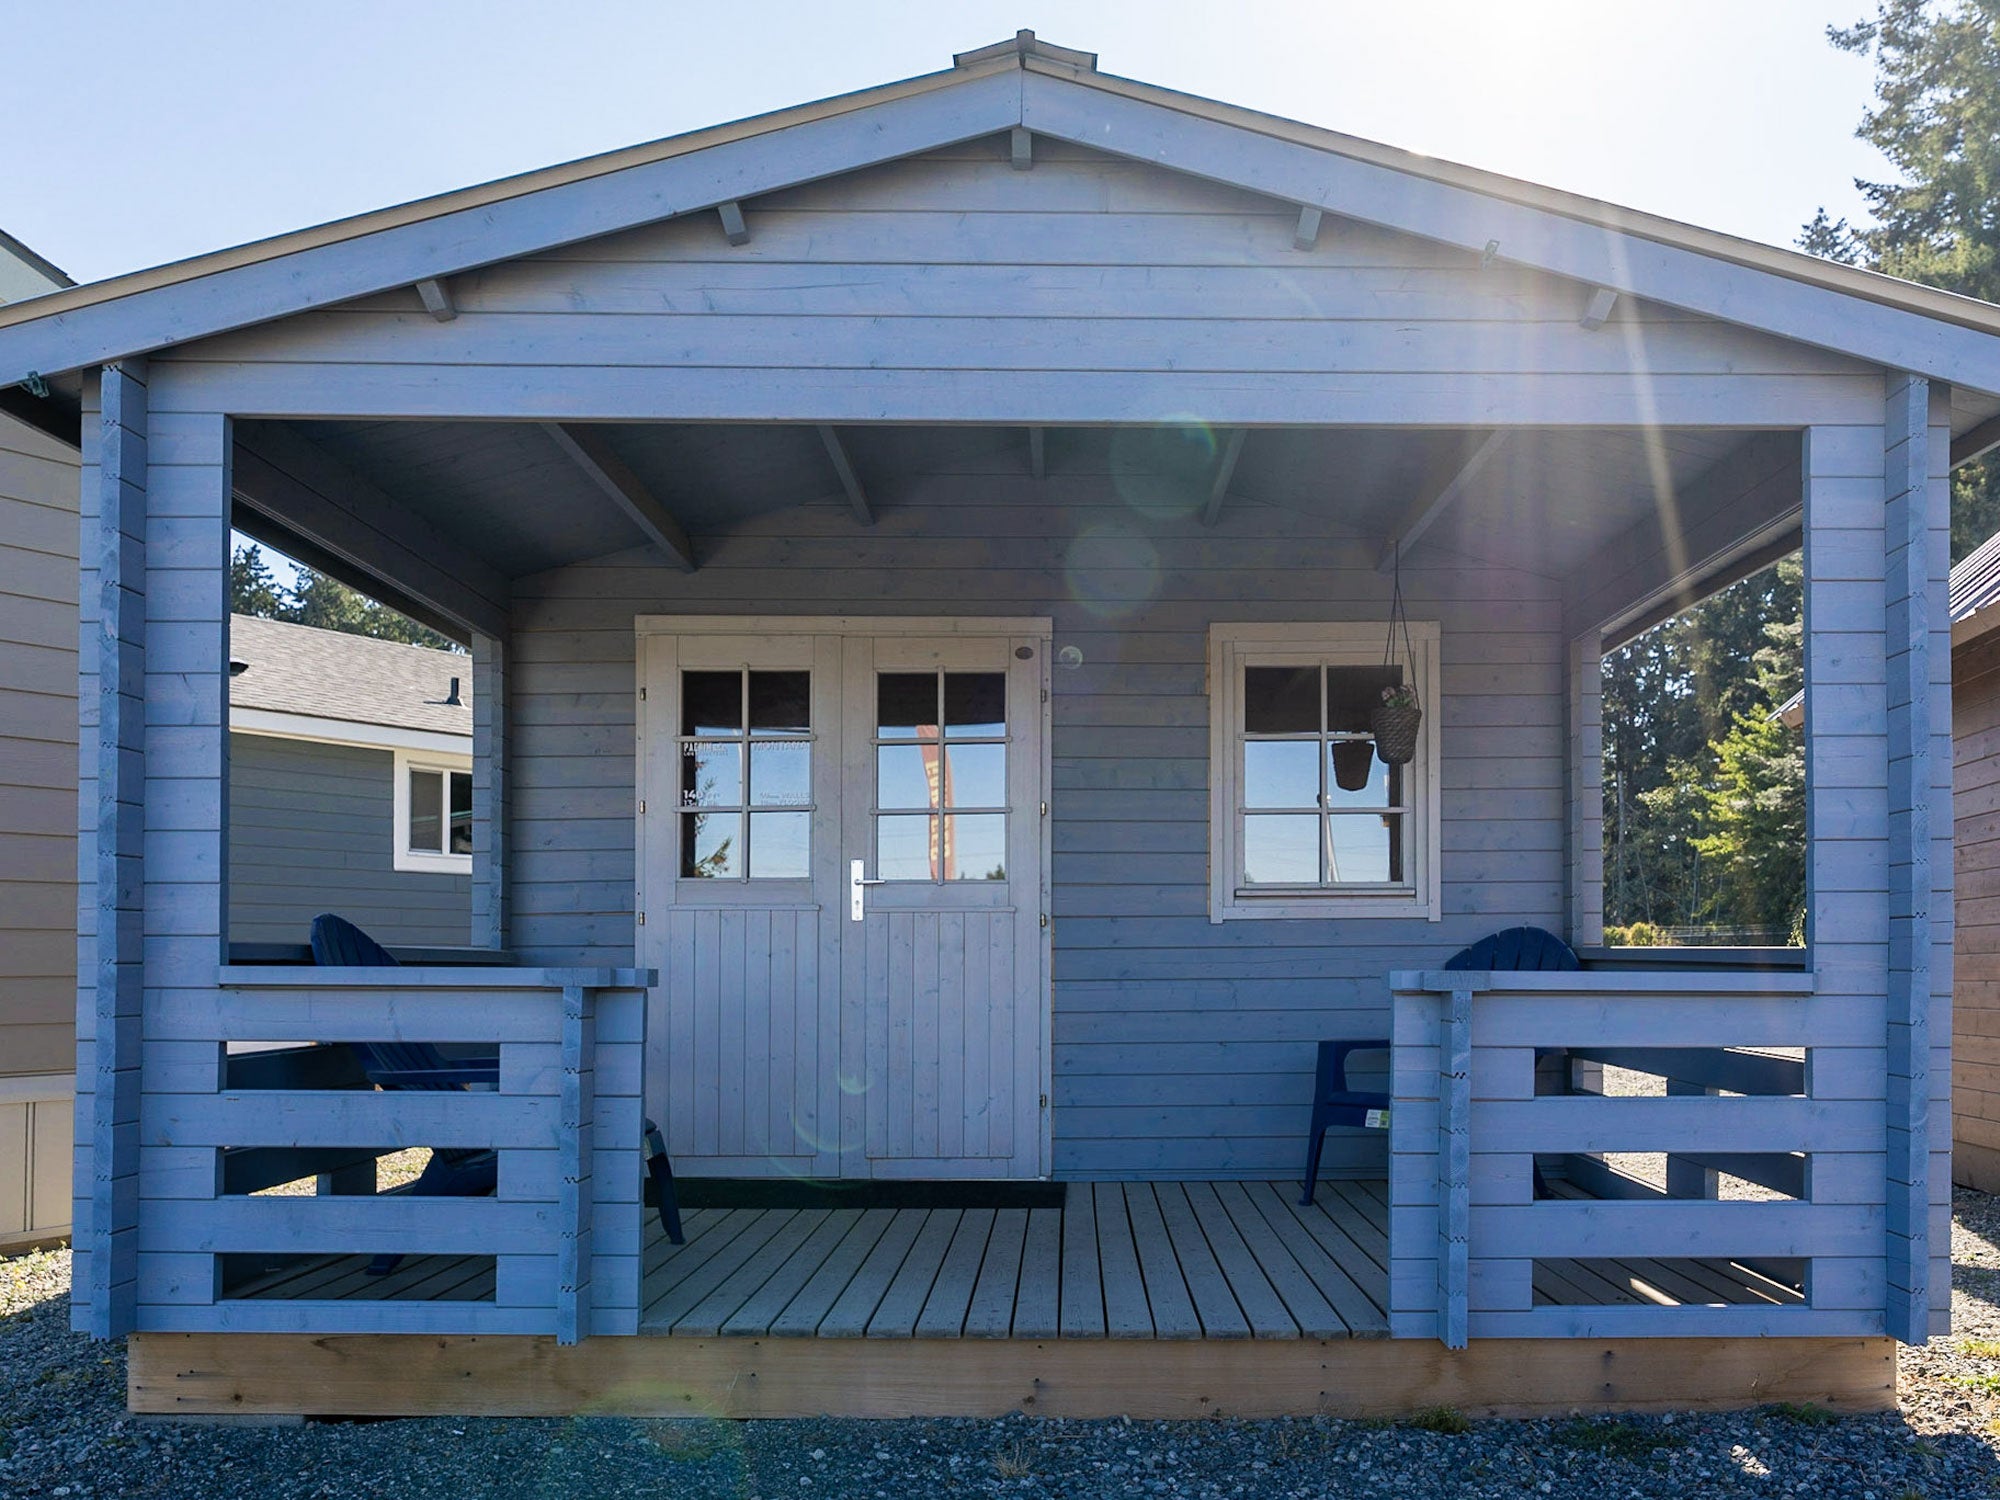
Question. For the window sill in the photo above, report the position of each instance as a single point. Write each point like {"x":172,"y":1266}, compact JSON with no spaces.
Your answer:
{"x":1387,"y":907}
{"x":416,"y":862}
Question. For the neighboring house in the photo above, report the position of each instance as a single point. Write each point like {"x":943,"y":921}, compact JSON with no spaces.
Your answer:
{"x":1975,"y":688}
{"x":350,"y":785}
{"x":38,"y":477}
{"x":928,"y":557}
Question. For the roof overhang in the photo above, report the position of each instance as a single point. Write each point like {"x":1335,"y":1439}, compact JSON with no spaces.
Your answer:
{"x":1049,"y":91}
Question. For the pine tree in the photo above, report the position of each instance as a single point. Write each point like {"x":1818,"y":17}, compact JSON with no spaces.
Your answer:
{"x":319,"y":601}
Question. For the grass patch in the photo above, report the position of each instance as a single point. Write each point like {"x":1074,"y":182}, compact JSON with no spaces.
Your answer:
{"x":1981,"y":1348}
{"x":1446,"y":1419}
{"x":1617,"y":1439}
{"x":1987,"y":1383}
{"x":1805,"y":1413}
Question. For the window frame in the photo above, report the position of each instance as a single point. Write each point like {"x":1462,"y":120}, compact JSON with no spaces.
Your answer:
{"x":426,"y":861}
{"x":1232,"y":648}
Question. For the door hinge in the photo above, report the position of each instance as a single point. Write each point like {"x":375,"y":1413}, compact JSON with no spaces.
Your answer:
{"x":642,"y":919}
{"x":1045,"y":919}
{"x":1045,"y":1101}
{"x":642,"y":695}
{"x":1045,"y":809}
{"x":642,"y":804}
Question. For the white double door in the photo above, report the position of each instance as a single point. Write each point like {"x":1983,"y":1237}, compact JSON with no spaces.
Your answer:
{"x":843,"y":886}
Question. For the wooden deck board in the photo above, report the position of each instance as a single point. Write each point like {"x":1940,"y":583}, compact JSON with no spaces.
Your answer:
{"x":856,"y":1304}
{"x":990,"y":1315}
{"x":1038,"y":1300}
{"x":1308,"y":1307}
{"x":681,"y":1296}
{"x":1126,"y":1314}
{"x":1166,"y":1286}
{"x":1261,"y":1304}
{"x":1214,"y":1304}
{"x":943,"y":1315}
{"x":1082,"y":1276}
{"x":761,"y":1308}
{"x":903,"y":1303}
{"x":801,"y":1317}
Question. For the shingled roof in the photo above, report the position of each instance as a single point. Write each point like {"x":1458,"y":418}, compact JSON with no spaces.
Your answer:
{"x":356,"y":679}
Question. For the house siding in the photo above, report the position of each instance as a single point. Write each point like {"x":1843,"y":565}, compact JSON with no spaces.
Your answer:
{"x":310,"y":827}
{"x":1975,"y":1084}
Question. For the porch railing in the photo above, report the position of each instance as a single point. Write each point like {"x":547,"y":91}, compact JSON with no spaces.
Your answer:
{"x":222,"y":1118}
{"x":1515,"y":1213}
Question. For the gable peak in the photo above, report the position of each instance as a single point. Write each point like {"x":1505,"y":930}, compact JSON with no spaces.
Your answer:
{"x":1023,"y":45}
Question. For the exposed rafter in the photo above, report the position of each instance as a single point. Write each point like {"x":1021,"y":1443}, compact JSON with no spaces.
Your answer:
{"x":1225,"y":470}
{"x":733,"y":228}
{"x":437,"y":299}
{"x":1038,"y":452}
{"x":610,"y":474}
{"x":1306,"y":236}
{"x":849,"y":480}
{"x":1598,"y":311}
{"x":1021,"y":148}
{"x":1431,"y":503}
{"x":304,"y":500}
{"x":1980,"y":441}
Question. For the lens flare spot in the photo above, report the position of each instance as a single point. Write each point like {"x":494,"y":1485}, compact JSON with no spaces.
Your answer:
{"x":1162,"y":470}
{"x":1112,"y":571}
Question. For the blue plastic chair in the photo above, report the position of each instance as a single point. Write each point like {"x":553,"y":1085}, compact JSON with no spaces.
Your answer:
{"x":1336,"y":1103}
{"x":457,"y":1173}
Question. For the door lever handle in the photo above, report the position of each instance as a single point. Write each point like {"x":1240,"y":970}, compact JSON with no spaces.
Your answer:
{"x":856,"y":884}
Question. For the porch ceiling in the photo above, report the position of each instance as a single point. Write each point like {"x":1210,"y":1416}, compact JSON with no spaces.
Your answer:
{"x":514,"y":499}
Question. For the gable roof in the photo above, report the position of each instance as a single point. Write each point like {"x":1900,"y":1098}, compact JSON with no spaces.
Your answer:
{"x":24,"y":274}
{"x":1026,"y":84}
{"x":1975,"y":590}
{"x":348,"y":679}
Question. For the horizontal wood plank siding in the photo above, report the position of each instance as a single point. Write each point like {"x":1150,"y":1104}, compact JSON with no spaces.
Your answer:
{"x":1975,"y":1083}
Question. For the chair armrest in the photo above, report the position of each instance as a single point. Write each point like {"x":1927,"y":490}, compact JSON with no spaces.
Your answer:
{"x":1342,"y":1050}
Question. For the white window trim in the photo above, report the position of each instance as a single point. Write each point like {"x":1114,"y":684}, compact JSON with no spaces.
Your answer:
{"x":422,"y":860}
{"x":1230,"y":648}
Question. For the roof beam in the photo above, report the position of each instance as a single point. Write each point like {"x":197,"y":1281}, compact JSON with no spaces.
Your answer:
{"x":1021,"y":148}
{"x":437,"y":299}
{"x":1306,"y":236}
{"x":733,"y":228}
{"x":1598,"y":312}
{"x":1038,"y":452}
{"x":1225,"y":470}
{"x":317,"y":505}
{"x":1977,"y":443}
{"x":609,"y":473}
{"x":1431,"y":503}
{"x":849,"y":480}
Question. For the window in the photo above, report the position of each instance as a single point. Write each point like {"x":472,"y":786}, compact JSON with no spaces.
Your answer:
{"x":1305,"y":818}
{"x":941,"y":776}
{"x":433,"y":813}
{"x":746,"y":775}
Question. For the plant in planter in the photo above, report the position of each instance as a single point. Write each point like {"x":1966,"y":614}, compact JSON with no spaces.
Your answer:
{"x":1396,"y":721}
{"x":1352,"y":761}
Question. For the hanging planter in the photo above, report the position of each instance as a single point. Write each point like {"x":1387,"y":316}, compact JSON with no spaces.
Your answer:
{"x":1399,"y":718}
{"x":1353,"y":760}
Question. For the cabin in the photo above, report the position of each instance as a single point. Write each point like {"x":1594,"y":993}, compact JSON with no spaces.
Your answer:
{"x":38,"y":479}
{"x":927,"y":559}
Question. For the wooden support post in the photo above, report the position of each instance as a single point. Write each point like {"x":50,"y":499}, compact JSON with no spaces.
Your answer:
{"x":1431,"y":503}
{"x":1225,"y":470}
{"x":849,"y":480}
{"x":110,"y":867}
{"x":733,"y":228}
{"x":1306,"y":236}
{"x":1686,"y":1176}
{"x":613,"y":479}
{"x":437,"y":299}
{"x":1454,"y":1167}
{"x":1038,"y":453}
{"x":1021,"y":148}
{"x":1585,"y":843}
{"x":1598,"y":311}
{"x":575,"y":1196}
{"x":489,"y":792}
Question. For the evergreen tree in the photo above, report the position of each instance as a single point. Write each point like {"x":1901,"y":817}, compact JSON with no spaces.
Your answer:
{"x":319,"y":601}
{"x":253,"y":588}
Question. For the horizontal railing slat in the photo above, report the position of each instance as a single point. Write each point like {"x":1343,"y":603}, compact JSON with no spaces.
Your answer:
{"x":1586,"y":1122}
{"x":390,"y":1224}
{"x":363,"y":1119}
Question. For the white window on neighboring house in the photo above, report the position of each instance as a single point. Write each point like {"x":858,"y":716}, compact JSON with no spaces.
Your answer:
{"x":1306,"y":820}
{"x":433,"y":812}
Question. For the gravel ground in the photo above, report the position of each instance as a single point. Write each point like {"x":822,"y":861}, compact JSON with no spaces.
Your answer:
{"x":64,"y":1433}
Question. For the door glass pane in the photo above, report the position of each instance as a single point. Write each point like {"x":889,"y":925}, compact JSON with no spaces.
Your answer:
{"x":975,"y":704}
{"x":905,"y":847}
{"x":1281,"y":773}
{"x":780,"y":702}
{"x":711,"y":846}
{"x":1364,"y":850}
{"x":711,"y":775}
{"x":780,"y":773}
{"x":906,"y":705}
{"x":1281,"y":700}
{"x":461,"y":812}
{"x":975,"y":776}
{"x":906,"y":775}
{"x":427,"y":811}
{"x":1369,"y":782}
{"x":711,"y":703}
{"x":1353,"y":692}
{"x":1281,"y":849}
{"x":975,"y":847}
{"x":780,"y":845}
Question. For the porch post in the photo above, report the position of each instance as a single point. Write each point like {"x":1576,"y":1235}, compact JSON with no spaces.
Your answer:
{"x":110,"y":846}
{"x":1585,"y":852}
{"x":489,"y":792}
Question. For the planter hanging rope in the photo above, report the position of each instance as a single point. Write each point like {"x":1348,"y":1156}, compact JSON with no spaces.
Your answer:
{"x":1398,"y":718}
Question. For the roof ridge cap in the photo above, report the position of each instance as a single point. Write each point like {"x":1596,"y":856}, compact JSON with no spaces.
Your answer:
{"x":1023,"y":45}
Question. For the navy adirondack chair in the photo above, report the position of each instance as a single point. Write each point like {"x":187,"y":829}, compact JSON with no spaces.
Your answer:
{"x":1336,"y":1103}
{"x":451,"y":1173}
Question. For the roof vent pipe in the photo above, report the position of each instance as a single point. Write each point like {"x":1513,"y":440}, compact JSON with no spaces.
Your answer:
{"x":451,"y":699}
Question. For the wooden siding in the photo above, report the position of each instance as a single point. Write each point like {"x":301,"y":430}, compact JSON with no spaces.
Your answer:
{"x":1975,"y":1082}
{"x":310,"y":830}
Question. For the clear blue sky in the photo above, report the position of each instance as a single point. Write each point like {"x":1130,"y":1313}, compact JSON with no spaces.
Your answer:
{"x":141,"y":133}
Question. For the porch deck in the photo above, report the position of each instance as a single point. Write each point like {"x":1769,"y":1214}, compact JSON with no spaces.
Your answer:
{"x":1168,"y":1260}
